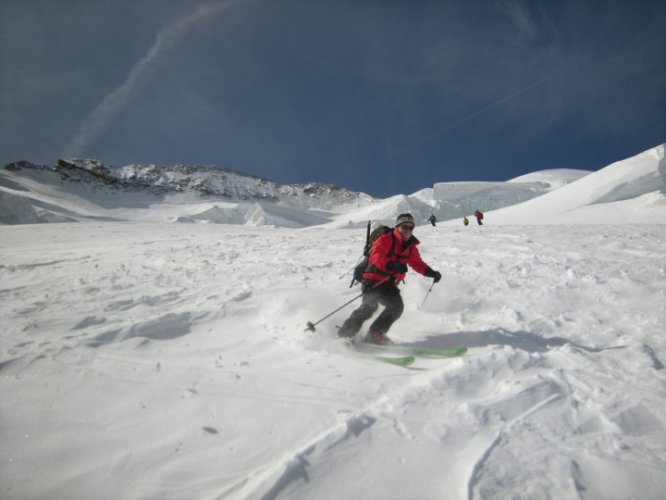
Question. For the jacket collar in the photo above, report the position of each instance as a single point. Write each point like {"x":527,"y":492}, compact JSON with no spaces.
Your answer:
{"x":413,"y":240}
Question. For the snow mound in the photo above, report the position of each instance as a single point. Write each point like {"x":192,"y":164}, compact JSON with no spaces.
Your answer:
{"x":552,"y":178}
{"x":456,"y":199}
{"x":255,"y":214}
{"x":16,"y":209}
{"x":633,"y":188}
{"x":384,"y":212}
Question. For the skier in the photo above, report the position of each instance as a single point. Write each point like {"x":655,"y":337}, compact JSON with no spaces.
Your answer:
{"x":466,"y":221}
{"x":387,"y":266}
{"x":432,"y":220}
{"x":479,"y":217}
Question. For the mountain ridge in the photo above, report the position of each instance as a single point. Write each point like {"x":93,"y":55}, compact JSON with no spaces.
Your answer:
{"x":630,"y":190}
{"x":207,"y":180}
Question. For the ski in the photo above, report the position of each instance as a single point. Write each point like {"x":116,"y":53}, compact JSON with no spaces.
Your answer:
{"x":403,"y":355}
{"x":396,"y":360}
{"x":397,"y":350}
{"x":403,"y":360}
{"x":437,"y":352}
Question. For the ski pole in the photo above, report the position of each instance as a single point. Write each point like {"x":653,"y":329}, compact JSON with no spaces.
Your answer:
{"x":352,"y":269}
{"x":427,"y":293}
{"x":311,"y":325}
{"x":365,"y":254}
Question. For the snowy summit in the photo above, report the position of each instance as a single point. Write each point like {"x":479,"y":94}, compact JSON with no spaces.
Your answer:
{"x":155,"y":344}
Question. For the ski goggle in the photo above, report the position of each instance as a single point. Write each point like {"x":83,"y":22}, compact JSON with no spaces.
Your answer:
{"x":406,"y":227}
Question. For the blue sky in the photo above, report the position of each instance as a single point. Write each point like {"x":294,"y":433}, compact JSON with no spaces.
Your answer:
{"x":380,"y":96}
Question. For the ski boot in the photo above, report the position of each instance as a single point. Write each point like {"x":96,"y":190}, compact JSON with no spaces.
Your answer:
{"x":377,"y":337}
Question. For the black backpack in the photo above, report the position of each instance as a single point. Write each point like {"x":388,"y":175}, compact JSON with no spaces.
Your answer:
{"x":370,"y":238}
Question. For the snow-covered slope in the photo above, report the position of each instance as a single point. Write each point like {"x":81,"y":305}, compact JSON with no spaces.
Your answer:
{"x":628,"y":191}
{"x":78,"y":191}
{"x":202,"y":180}
{"x":551,"y":179}
{"x":457,"y":199}
{"x":556,"y":196}
{"x":160,"y":360}
{"x":145,"y":358}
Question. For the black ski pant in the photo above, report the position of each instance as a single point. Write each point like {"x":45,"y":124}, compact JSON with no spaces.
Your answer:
{"x":386,"y":294}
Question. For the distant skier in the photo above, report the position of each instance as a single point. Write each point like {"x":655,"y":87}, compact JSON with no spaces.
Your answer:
{"x":387,"y":266}
{"x":466,"y":221}
{"x":432,"y":220}
{"x":479,"y":217}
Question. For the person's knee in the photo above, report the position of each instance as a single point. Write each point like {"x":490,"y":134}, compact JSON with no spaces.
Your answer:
{"x":367,"y":309}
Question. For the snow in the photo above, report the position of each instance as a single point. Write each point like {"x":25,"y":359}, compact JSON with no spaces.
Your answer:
{"x":552,"y":178}
{"x":634,"y":188}
{"x":146,"y":358}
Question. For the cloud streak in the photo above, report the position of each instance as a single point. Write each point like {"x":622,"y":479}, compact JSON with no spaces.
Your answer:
{"x":519,"y":15}
{"x":100,"y":118}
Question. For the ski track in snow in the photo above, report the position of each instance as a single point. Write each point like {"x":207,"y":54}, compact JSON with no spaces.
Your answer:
{"x":169,"y":360}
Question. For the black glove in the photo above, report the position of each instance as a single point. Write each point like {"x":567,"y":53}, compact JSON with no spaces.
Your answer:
{"x":435,"y":275}
{"x":396,"y":267}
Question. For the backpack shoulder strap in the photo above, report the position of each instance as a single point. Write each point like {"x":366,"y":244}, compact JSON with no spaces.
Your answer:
{"x":391,"y":251}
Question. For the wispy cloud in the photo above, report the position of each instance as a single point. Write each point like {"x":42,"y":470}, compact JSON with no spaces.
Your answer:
{"x":518,"y":13}
{"x":100,"y":118}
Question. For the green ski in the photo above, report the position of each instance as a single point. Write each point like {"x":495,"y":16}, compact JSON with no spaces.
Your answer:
{"x":437,"y":352}
{"x":404,"y":359}
{"x":398,"y":360}
{"x":405,"y":354}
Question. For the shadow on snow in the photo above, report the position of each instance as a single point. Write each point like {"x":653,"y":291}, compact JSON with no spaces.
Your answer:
{"x":523,"y":340}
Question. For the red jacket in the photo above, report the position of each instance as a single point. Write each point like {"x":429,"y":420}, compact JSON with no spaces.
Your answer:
{"x":390,"y":247}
